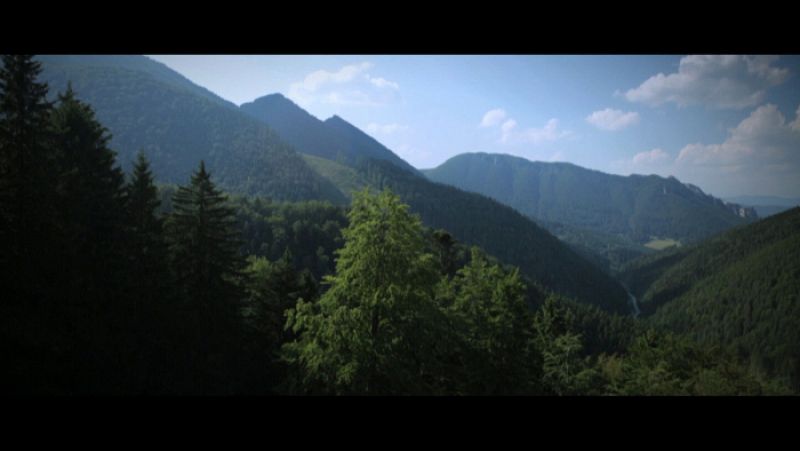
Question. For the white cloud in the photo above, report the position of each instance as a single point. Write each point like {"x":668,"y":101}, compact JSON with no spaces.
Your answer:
{"x":719,"y":81}
{"x":651,"y":157}
{"x":761,"y":155}
{"x":383,"y":83}
{"x":349,"y":85}
{"x":385,"y":129}
{"x":609,"y":119}
{"x":764,"y":137}
{"x":493,"y":117}
{"x":511,"y":134}
{"x":508,"y":126}
{"x":317,"y":79}
{"x":533,"y":135}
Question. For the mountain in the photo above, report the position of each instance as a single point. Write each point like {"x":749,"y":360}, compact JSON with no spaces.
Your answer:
{"x":345,"y":178}
{"x":739,"y":289}
{"x":503,"y":232}
{"x":147,"y":106}
{"x":639,"y":208}
{"x":347,"y":156}
{"x":158,"y":71}
{"x":333,"y":139}
{"x":766,"y":205}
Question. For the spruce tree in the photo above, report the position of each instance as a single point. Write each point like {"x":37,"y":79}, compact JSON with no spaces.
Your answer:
{"x":204,"y":251}
{"x":146,"y":250}
{"x":91,"y":186}
{"x":29,"y":260}
{"x":26,"y":178}
{"x":152,"y":312}
{"x":91,"y":216}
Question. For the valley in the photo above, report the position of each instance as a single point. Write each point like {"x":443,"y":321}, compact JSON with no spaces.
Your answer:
{"x":210,"y":248}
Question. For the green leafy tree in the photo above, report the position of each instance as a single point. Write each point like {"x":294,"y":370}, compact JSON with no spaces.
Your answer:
{"x":668,"y":364}
{"x":565,"y":370}
{"x":375,"y":330}
{"x":273,"y":288}
{"x":489,"y":305}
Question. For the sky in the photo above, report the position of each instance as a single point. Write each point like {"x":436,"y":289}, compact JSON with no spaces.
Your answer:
{"x":726,"y":123}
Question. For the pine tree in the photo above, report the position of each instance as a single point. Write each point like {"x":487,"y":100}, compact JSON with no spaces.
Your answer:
{"x":204,"y":251}
{"x":152,"y":312}
{"x":146,"y":248}
{"x":204,"y":242}
{"x":26,"y":177}
{"x":91,"y":215}
{"x":91,"y":186}
{"x":142,"y":206}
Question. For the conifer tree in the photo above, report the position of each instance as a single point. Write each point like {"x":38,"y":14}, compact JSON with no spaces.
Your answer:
{"x":152,"y":311}
{"x":147,"y":247}
{"x":142,"y":206}
{"x":26,"y":177}
{"x":28,"y":242}
{"x":92,"y":256}
{"x":204,"y":252}
{"x":204,"y":243}
{"x":91,"y":186}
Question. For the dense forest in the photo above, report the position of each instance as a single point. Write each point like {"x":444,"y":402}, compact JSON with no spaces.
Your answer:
{"x":738,"y":290}
{"x":116,"y":285}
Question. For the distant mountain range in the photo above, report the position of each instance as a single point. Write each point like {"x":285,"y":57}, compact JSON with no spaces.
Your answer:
{"x":638,"y":208}
{"x":259,"y":149}
{"x":739,"y":289}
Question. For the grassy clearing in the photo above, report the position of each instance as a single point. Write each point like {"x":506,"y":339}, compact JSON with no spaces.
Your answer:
{"x":662,"y":243}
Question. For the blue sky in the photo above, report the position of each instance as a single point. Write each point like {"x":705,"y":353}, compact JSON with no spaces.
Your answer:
{"x":728,"y":124}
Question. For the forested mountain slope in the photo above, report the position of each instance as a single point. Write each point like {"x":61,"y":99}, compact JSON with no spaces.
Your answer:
{"x":739,"y":289}
{"x":146,"y":106}
{"x":636,"y":207}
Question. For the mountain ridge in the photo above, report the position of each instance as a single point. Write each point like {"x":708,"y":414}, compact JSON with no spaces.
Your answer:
{"x":332,"y":139}
{"x":177,"y":126}
{"x":570,"y":194}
